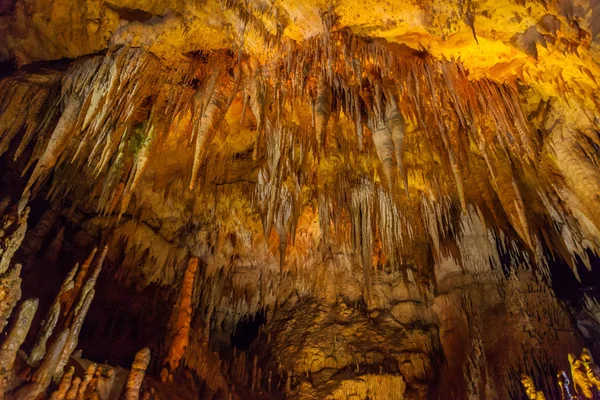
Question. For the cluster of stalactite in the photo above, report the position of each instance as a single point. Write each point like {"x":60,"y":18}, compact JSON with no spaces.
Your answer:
{"x":353,"y":146}
{"x":114,"y":112}
{"x":96,"y":127}
{"x":30,"y":374}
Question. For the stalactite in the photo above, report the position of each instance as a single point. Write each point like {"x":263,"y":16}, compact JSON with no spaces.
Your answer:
{"x":389,"y":223}
{"x":14,"y":340}
{"x":53,"y":251}
{"x":322,"y":111}
{"x":257,"y":100}
{"x":218,"y":102}
{"x":35,"y":236}
{"x":283,"y":222}
{"x":58,"y":140}
{"x":182,"y":320}
{"x":362,"y":232}
{"x":384,"y":145}
{"x":141,"y":161}
{"x":397,"y":128}
{"x":269,"y":188}
{"x":136,"y":375}
{"x":324,"y":222}
{"x":12,"y":120}
{"x":35,"y":91}
{"x":49,"y":112}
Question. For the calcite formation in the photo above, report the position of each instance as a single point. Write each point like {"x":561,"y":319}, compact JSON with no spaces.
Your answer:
{"x":299,"y":199}
{"x":136,"y":376}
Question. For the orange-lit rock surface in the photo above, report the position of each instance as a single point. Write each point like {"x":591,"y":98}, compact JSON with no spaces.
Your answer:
{"x":300,"y":199}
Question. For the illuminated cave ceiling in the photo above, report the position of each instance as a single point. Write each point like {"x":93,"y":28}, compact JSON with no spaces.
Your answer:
{"x":387,"y":191}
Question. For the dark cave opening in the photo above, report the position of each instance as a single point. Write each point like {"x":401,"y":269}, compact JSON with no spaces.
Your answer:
{"x":8,"y":66}
{"x":565,"y":283}
{"x":247,"y":330}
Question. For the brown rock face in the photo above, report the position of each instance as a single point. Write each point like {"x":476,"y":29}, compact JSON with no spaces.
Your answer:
{"x":299,"y":199}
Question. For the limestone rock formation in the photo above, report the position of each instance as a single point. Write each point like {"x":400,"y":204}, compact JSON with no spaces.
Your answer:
{"x":299,"y":199}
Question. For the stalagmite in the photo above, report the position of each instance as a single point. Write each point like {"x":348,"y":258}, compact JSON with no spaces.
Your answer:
{"x":10,"y":293}
{"x":581,"y":382}
{"x":105,"y":384}
{"x":89,"y":374}
{"x":43,"y":374}
{"x":74,"y":292}
{"x":530,"y":390}
{"x":14,"y":340}
{"x":182,"y":320}
{"x":136,"y":375}
{"x":75,"y":328}
{"x":72,"y":392}
{"x":64,"y":385}
{"x":93,"y":384}
{"x":4,"y":205}
{"x":52,"y":318}
{"x":564,"y":382}
{"x":591,"y":370}
{"x":12,"y":232}
{"x":254,"y":374}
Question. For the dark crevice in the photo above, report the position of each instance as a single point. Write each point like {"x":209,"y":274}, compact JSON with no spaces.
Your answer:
{"x":247,"y":330}
{"x":131,"y":14}
{"x":8,"y":66}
